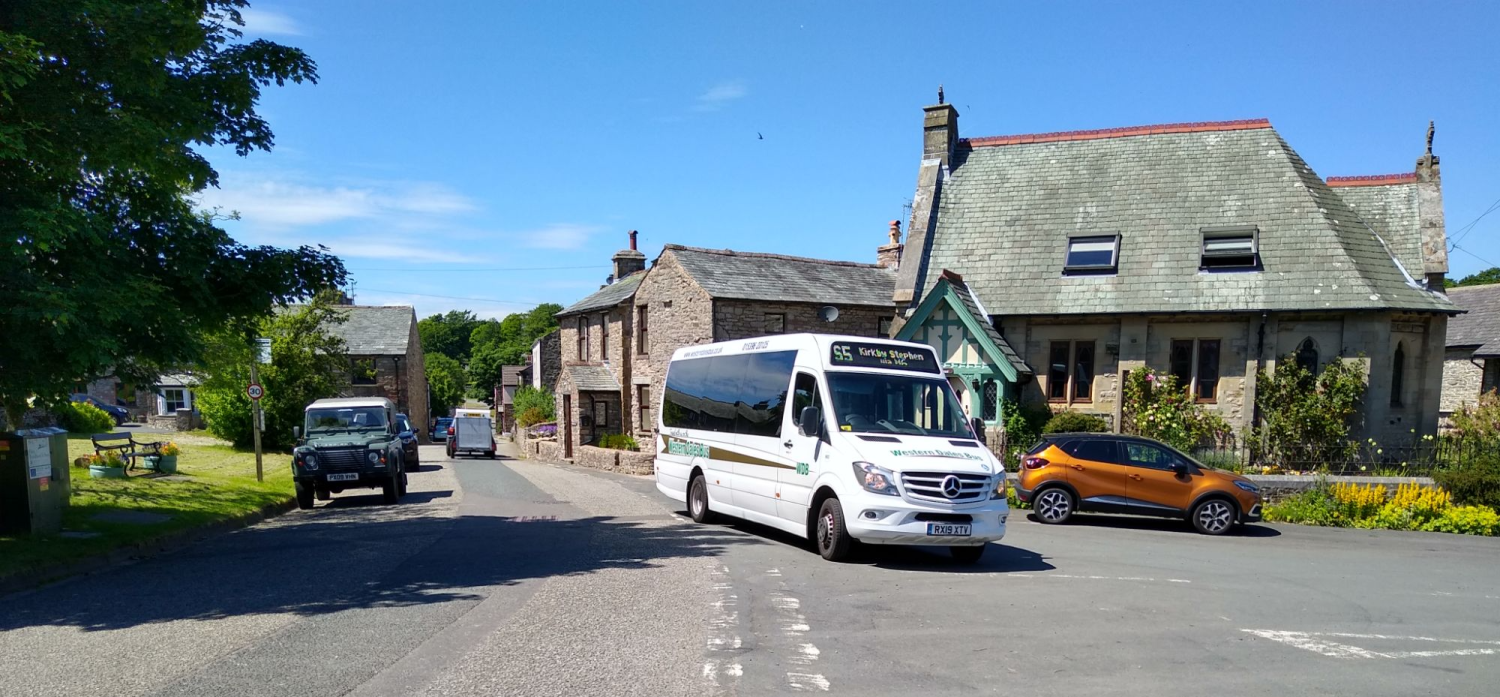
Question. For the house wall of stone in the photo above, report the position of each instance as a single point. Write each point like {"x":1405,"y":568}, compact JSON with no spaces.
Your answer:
{"x":613,"y":326}
{"x":414,"y":371}
{"x":739,"y":319}
{"x":1368,"y":338}
{"x":678,"y":313}
{"x":401,"y":379}
{"x":546,"y":361}
{"x":1463,"y":380}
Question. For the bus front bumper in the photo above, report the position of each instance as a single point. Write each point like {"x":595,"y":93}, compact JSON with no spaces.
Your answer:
{"x":896,"y":522}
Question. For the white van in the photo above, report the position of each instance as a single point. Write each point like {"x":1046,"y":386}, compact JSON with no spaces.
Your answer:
{"x":833,"y":438}
{"x":471,"y":432}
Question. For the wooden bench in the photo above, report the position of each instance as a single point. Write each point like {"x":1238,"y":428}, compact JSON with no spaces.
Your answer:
{"x":126,"y":446}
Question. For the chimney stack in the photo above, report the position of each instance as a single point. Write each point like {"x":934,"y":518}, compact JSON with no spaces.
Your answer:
{"x":888,"y":256}
{"x":939,"y":130}
{"x":1430,"y":214}
{"x":628,"y":261}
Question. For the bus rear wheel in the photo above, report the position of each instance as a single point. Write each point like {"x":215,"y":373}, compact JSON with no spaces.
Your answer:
{"x":698,"y":501}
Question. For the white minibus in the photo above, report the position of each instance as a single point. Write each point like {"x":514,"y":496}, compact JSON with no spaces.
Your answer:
{"x":833,"y":438}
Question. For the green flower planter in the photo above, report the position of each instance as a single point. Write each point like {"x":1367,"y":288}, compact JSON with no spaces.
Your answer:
{"x":162,"y":463}
{"x":102,"y":472}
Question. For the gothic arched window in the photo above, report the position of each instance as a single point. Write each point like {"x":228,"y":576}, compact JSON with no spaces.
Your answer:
{"x":1398,"y":375}
{"x":1307,"y":356}
{"x":989,"y":409}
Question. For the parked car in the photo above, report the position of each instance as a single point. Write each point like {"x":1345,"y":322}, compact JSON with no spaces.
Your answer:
{"x":409,"y":443}
{"x":348,"y":444}
{"x":118,"y":413}
{"x":1106,"y":473}
{"x":440,"y":429}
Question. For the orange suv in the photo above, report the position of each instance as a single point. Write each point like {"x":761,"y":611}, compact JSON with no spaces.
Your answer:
{"x":1108,"y":473}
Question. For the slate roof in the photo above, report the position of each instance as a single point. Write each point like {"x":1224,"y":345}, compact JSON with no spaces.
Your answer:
{"x":1480,"y":325}
{"x":1389,"y":204}
{"x":510,"y":375}
{"x":375,"y":330}
{"x":609,"y":296}
{"x":592,"y":378}
{"x":1007,"y":208}
{"x":735,"y":275}
{"x":971,"y":303}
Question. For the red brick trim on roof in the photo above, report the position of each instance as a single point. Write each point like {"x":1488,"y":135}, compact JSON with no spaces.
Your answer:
{"x":1196,"y":127}
{"x":1374,"y":180}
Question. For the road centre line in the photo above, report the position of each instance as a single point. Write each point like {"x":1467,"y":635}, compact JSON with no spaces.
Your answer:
{"x":1312,"y":641}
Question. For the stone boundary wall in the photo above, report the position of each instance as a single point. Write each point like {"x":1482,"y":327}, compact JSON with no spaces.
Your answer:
{"x":626,"y":461}
{"x":549,"y":450}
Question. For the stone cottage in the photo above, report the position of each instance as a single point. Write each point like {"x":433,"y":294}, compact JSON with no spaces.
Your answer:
{"x":594,"y":341}
{"x":505,"y":395}
{"x":699,"y":296}
{"x":543,"y":363}
{"x":385,"y":357}
{"x":616,"y":343}
{"x":1471,"y":364}
{"x":1205,"y":250}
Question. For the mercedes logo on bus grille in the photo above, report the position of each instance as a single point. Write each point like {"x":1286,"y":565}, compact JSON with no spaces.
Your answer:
{"x":952,"y":487}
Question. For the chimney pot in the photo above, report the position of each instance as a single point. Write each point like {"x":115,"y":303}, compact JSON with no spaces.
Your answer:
{"x":633,"y":233}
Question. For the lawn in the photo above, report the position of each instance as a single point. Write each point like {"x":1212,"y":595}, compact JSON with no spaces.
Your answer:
{"x":219,"y":484}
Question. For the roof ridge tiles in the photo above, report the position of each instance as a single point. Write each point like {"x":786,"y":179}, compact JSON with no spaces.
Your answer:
{"x":1373,"y":180}
{"x":1118,"y":132}
{"x":767,"y":255}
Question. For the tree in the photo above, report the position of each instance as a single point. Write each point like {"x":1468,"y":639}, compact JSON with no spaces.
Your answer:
{"x":307,"y":363}
{"x":448,"y":334}
{"x":485,"y":367}
{"x":1485,"y":277}
{"x":446,"y":381}
{"x":105,"y":107}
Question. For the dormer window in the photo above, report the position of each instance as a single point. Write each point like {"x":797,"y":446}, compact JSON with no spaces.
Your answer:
{"x":1092,"y":254}
{"x":1231,"y":248}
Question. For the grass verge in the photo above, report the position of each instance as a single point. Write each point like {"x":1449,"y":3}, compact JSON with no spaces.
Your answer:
{"x":220,"y":485}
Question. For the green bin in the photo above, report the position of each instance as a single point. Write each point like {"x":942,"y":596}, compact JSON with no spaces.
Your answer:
{"x":34,"y":485}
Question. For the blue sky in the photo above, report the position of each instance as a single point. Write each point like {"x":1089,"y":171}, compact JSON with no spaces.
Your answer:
{"x":500,"y":151}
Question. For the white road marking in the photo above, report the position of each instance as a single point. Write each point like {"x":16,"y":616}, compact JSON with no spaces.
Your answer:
{"x":724,"y":637}
{"x":1312,"y":641}
{"x":734,"y":670}
{"x":807,"y":682}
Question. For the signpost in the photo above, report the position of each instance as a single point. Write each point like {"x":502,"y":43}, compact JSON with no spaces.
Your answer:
{"x":254,"y":391}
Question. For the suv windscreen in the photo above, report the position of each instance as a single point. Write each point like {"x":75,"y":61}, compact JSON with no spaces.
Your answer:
{"x":345,"y":419}
{"x":916,"y":406}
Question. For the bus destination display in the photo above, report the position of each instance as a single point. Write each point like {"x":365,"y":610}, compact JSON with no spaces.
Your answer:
{"x":862,"y":355}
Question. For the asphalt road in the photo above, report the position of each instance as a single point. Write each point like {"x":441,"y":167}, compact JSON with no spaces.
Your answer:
{"x":520,"y":578}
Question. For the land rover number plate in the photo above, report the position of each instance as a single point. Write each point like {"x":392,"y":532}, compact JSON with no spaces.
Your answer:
{"x":350,"y":477}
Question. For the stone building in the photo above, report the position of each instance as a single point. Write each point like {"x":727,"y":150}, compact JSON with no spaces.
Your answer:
{"x":616,"y":343}
{"x":593,"y":339}
{"x":1472,"y":363}
{"x":1206,"y":250}
{"x":698,"y":296}
{"x":505,"y":395}
{"x":385,"y":357}
{"x":543,"y":363}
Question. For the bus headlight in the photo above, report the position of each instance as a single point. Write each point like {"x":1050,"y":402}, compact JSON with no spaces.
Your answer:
{"x":1000,"y":484}
{"x":876,"y":480}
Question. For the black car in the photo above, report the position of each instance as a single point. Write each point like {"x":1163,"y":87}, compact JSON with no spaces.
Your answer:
{"x":440,"y":429}
{"x":409,"y":440}
{"x":119,"y":414}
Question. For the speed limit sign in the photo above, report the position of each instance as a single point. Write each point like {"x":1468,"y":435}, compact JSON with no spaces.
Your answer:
{"x":255,"y":391}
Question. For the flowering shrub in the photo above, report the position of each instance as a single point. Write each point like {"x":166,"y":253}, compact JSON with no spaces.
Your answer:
{"x":171,"y":449}
{"x":1156,"y":406}
{"x":1411,"y":507}
{"x":1305,"y":416}
{"x":110,"y":458}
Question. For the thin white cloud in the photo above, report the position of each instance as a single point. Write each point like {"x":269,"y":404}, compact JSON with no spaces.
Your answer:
{"x":560,"y":236}
{"x":269,"y":23}
{"x":284,"y":202}
{"x":721,"y":94}
{"x":405,"y":250}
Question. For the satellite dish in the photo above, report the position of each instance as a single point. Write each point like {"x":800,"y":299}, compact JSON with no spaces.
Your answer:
{"x":829,"y":313}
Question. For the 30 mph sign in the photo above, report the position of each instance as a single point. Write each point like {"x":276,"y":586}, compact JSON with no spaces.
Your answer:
{"x":255,"y":391}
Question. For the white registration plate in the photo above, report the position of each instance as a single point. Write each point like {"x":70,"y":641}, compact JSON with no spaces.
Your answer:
{"x":947,"y":530}
{"x":355,"y":477}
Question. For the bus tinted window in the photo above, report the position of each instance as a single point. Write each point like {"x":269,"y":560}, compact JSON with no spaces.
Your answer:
{"x":763,"y":393}
{"x":745,"y":393}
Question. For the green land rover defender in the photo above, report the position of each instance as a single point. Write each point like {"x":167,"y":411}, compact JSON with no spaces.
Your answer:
{"x":348,"y":444}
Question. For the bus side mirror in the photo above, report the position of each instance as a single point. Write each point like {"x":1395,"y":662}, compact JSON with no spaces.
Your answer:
{"x":809,"y":422}
{"x":297,"y":432}
{"x":978,"y":425}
